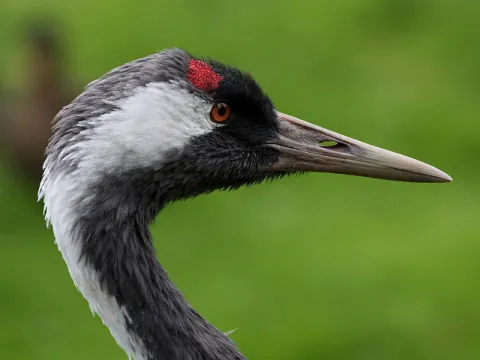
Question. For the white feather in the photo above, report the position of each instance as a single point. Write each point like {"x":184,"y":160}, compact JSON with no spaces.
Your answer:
{"x":157,"y":118}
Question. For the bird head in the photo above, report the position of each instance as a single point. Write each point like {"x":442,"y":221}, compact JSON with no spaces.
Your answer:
{"x":172,"y":126}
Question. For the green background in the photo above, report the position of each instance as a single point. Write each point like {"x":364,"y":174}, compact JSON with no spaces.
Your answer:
{"x":314,"y":267}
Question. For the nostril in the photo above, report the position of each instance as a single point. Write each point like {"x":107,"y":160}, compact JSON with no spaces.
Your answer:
{"x":328,"y":143}
{"x":334,"y":145}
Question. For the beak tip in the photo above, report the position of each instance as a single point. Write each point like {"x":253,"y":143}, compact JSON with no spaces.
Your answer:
{"x":441,"y":176}
{"x":447,"y":178}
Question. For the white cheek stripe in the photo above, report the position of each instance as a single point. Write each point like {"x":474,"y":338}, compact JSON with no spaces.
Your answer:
{"x":157,"y":118}
{"x":58,"y":197}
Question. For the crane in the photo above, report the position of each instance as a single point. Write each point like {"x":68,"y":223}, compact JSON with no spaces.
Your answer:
{"x":162,"y":128}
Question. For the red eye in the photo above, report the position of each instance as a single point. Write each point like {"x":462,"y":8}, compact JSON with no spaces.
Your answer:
{"x":220,"y":112}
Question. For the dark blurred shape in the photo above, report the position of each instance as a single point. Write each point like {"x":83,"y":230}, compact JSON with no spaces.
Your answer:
{"x":26,"y":115}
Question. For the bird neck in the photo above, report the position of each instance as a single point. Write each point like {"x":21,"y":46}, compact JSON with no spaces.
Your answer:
{"x":113,"y":263}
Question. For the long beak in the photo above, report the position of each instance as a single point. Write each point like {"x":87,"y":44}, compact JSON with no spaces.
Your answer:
{"x":307,"y":147}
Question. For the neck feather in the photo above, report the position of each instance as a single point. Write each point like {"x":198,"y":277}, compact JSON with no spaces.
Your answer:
{"x":113,"y":263}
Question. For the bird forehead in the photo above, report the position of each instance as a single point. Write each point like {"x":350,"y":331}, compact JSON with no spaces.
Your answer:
{"x":202,"y":76}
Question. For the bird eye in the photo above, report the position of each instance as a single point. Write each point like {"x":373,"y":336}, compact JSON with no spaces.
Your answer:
{"x":220,"y":112}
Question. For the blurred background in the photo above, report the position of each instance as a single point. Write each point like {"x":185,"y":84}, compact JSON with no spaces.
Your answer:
{"x":314,"y":267}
